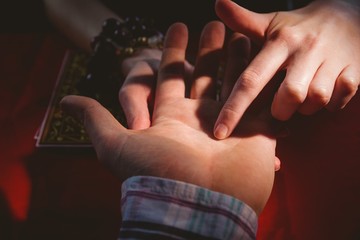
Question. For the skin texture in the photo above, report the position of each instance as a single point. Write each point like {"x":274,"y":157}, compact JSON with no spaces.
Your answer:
{"x":179,"y":143}
{"x":317,"y":45}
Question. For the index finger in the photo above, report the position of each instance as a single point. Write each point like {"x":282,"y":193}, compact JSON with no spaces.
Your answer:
{"x":248,"y":86}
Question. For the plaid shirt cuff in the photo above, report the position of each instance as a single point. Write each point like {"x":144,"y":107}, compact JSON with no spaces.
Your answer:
{"x":158,"y":208}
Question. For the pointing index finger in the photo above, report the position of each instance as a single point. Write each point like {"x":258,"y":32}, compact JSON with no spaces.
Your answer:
{"x":249,"y":85}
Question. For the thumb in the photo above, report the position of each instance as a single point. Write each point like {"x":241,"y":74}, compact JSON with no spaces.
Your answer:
{"x":99,"y":123}
{"x":239,"y":19}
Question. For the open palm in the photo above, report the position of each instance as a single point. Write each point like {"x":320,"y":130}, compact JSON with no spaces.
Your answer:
{"x":180,"y":144}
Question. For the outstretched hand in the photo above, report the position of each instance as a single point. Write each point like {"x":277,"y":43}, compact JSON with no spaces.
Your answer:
{"x":317,"y":45}
{"x":179,"y":144}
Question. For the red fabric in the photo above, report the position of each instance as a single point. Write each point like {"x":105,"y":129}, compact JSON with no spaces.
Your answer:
{"x":45,"y":194}
{"x":67,"y":194}
{"x":23,"y":95}
{"x":317,"y":191}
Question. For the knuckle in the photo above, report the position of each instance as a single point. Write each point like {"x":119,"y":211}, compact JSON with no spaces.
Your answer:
{"x":312,"y":41}
{"x":292,"y":38}
{"x":349,"y":85}
{"x":319,"y":95}
{"x":250,"y":80}
{"x":230,"y":112}
{"x":286,"y":36}
{"x":229,"y":107}
{"x":295,"y":93}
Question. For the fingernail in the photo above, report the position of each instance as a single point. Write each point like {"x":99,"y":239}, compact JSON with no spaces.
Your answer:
{"x":221,"y":131}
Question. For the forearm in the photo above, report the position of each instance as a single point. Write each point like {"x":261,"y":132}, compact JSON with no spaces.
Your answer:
{"x":79,"y":20}
{"x":162,"y":207}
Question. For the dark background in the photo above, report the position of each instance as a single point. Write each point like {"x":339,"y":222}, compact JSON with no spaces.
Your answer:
{"x":28,"y":15}
{"x":23,"y":17}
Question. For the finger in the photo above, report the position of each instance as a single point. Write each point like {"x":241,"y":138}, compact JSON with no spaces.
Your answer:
{"x":152,"y":56}
{"x":188,"y":77}
{"x":135,"y":95}
{"x":99,"y":123}
{"x":238,"y":56}
{"x":320,"y":89}
{"x":249,"y":85}
{"x":253,"y":25}
{"x":346,"y":87}
{"x":293,"y":90}
{"x":170,"y":82}
{"x":207,"y":62}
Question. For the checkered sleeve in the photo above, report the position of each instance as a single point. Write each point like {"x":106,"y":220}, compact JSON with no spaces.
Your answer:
{"x":158,"y":208}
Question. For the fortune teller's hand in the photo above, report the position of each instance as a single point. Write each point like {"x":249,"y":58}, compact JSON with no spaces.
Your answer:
{"x":317,"y":45}
{"x":179,"y":144}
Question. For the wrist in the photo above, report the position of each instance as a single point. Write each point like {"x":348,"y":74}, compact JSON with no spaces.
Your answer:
{"x":151,"y":200}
